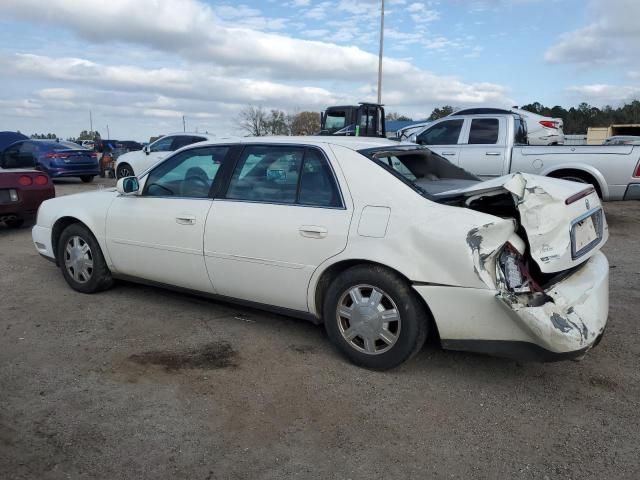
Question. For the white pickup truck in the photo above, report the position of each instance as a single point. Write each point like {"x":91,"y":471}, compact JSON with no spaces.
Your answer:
{"x":493,"y":145}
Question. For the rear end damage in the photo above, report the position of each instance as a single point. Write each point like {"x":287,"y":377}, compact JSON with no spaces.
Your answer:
{"x":543,"y":259}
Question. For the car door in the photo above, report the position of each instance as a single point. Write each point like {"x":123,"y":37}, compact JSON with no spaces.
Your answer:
{"x":157,"y":235}
{"x":483,"y":150}
{"x":443,"y":138}
{"x":283,"y":214}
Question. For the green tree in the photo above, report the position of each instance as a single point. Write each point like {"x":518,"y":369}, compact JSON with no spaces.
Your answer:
{"x":440,"y":112}
{"x":394,"y":116}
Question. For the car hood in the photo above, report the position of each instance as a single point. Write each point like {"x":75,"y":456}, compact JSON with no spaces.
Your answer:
{"x":563,"y":221}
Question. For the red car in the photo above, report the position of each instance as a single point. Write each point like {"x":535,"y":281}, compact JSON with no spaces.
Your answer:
{"x":21,"y":193}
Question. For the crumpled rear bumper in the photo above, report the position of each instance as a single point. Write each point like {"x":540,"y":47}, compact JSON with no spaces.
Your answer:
{"x":577,"y":314}
{"x":489,"y":321}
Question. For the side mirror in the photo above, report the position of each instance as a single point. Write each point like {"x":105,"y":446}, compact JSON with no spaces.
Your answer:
{"x":145,"y":149}
{"x":128,"y":186}
{"x":413,"y":138}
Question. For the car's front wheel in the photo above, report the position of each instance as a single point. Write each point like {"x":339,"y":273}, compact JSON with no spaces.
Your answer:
{"x":373,"y":316}
{"x":124,"y":170}
{"x":81,"y":260}
{"x":87,"y":178}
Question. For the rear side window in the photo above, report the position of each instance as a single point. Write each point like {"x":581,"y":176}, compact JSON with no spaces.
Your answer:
{"x":443,"y":133}
{"x":267,"y":174}
{"x":484,"y":131}
{"x":283,"y":174}
{"x":317,"y":183}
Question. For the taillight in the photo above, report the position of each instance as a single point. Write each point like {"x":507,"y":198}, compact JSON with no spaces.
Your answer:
{"x":25,"y":181}
{"x":41,"y":180}
{"x":93,"y":155}
{"x":515,"y":272}
{"x":56,"y":155}
{"x":637,"y":172}
{"x":548,"y":123}
{"x":579,"y":195}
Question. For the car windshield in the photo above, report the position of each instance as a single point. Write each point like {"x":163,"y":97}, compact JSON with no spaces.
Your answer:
{"x":425,"y":171}
{"x":58,"y":146}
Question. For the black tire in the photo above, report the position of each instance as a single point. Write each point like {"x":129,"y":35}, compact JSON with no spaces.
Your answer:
{"x":100,"y":276}
{"x":413,"y":324}
{"x":14,"y":222}
{"x":124,"y":170}
{"x":87,"y":178}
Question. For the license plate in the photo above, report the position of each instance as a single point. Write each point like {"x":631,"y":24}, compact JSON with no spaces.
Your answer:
{"x":586,"y":233}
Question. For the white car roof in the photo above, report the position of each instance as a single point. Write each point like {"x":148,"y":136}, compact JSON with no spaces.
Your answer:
{"x":191,"y":134}
{"x":353,"y":143}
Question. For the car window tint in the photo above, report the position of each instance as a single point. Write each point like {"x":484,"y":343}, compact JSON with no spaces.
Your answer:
{"x":444,"y":133}
{"x":162,"y":145}
{"x":484,"y":131}
{"x":266,"y":174}
{"x":317,"y":183}
{"x":187,"y":174}
{"x":184,"y":140}
{"x":398,"y":166}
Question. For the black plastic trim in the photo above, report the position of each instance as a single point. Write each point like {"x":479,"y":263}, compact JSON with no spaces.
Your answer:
{"x":222,"y":298}
{"x":515,"y":350}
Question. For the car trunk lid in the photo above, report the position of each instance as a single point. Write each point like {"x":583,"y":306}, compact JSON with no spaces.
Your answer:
{"x":563,"y":221}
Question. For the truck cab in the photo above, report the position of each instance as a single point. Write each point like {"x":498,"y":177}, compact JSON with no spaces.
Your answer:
{"x":363,"y":120}
{"x":479,"y":143}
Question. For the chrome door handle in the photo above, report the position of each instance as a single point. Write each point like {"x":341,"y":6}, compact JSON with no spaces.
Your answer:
{"x":448,"y":153}
{"x":313,"y":231}
{"x":494,"y":154}
{"x":186,"y":220}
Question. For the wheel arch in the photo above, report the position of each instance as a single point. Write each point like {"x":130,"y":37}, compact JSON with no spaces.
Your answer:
{"x":332,"y":271}
{"x":588,"y":173}
{"x":57,"y":229}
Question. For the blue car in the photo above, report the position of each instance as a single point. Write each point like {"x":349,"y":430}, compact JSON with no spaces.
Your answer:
{"x":55,"y":157}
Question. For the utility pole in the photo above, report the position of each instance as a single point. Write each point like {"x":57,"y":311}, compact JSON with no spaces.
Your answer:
{"x":380,"y":54}
{"x":184,"y":125}
{"x":108,"y":134}
{"x":90,"y":122}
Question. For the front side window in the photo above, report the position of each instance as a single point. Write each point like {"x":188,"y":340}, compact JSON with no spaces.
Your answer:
{"x":283,"y":174}
{"x":162,"y":145}
{"x":484,"y":131}
{"x":187,"y":174}
{"x":444,"y":133}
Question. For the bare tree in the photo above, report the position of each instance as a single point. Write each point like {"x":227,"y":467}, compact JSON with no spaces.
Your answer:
{"x":253,"y":120}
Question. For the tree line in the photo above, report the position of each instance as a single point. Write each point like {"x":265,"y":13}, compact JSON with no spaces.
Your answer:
{"x":576,"y":119}
{"x":258,"y":122}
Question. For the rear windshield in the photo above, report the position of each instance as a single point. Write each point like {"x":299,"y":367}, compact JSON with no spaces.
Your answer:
{"x":57,"y":146}
{"x":425,"y":171}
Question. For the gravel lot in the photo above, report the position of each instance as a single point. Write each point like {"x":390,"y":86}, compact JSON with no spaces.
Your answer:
{"x":138,"y":382}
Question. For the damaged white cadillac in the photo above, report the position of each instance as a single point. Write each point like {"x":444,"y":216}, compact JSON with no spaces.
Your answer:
{"x":384,"y":243}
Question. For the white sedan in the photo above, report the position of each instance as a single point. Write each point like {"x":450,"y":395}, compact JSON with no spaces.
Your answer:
{"x":137,"y":161}
{"x":363,"y":235}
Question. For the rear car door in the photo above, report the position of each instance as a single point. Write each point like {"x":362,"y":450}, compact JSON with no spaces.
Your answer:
{"x":484,"y":147}
{"x":158,"y":234}
{"x":283,"y":214}
{"x":443,"y":138}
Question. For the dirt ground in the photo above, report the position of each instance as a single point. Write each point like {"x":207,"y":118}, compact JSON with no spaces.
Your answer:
{"x":142,"y":383}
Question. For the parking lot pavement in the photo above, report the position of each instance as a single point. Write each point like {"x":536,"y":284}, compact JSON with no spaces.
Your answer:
{"x":139,"y":382}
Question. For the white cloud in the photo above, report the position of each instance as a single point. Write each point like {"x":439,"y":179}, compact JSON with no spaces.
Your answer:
{"x":601,"y":93}
{"x":613,"y":36}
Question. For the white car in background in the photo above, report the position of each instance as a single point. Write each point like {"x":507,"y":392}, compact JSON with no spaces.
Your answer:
{"x":136,"y":162}
{"x":541,"y":130}
{"x":358,"y":234}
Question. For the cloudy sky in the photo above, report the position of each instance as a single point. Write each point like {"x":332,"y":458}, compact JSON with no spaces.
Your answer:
{"x":139,"y":65}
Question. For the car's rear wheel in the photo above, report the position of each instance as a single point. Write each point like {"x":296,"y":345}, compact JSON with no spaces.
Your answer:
{"x":124,"y":170}
{"x":373,"y":316}
{"x":87,"y":178}
{"x":81,"y":260}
